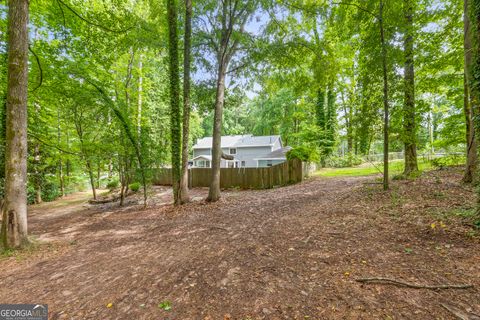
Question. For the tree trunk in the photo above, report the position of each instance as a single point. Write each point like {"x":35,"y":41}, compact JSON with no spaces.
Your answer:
{"x":214,"y":191}
{"x":14,"y":223}
{"x":60,"y":163}
{"x":175,"y":125}
{"x":184,"y":197}
{"x":62,"y":180}
{"x":385,"y":99}
{"x":140,"y":98}
{"x":92,"y":179}
{"x":468,"y":107}
{"x":409,"y":125}
{"x":37,"y":174}
{"x":474,"y":84}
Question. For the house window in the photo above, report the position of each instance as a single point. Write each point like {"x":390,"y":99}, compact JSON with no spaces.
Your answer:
{"x":269,"y":163}
{"x":203,"y":163}
{"x":243,"y":163}
{"x":233,"y":151}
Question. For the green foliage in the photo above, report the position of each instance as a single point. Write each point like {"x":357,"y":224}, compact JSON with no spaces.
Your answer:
{"x":303,"y":153}
{"x":446,"y":161}
{"x":309,"y":72}
{"x":113,"y":184}
{"x":134,"y":186}
{"x":165,"y":305}
{"x":50,"y":191}
{"x":350,"y":160}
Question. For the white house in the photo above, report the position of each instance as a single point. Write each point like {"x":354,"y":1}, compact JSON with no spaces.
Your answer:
{"x":248,"y":151}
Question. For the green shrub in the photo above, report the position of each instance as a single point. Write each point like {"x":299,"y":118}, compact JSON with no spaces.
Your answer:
{"x":30,"y":193}
{"x":112,"y":184}
{"x":349,"y":160}
{"x":134,"y":186}
{"x":303,"y":153}
{"x":50,"y":191}
{"x":451,"y":160}
{"x":76,"y":183}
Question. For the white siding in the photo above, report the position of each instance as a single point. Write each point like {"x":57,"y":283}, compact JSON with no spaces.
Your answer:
{"x":277,"y":144}
{"x":247,"y":154}
{"x":201,"y":152}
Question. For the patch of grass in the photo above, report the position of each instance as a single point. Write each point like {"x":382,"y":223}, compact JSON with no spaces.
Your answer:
{"x":466,"y":213}
{"x":395,"y":168}
{"x":20,"y":254}
{"x":6,"y":253}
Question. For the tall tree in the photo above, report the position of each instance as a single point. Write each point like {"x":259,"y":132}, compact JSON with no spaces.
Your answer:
{"x":175,"y":123}
{"x":474,"y":84}
{"x":467,"y":101}
{"x":385,"y":97}
{"x":230,"y":19}
{"x":14,"y":222}
{"x":409,"y":122}
{"x":184,"y":197}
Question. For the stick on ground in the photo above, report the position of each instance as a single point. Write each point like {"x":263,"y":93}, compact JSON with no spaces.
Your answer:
{"x":413,"y":285}
{"x":460,"y":314}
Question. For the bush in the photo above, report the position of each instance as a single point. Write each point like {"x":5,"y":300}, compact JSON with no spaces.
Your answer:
{"x":350,"y":160}
{"x":451,"y":160}
{"x":112,"y":184}
{"x":134,"y":186}
{"x":303,"y":153}
{"x":76,"y":183}
{"x":50,"y":191}
{"x":30,"y":193}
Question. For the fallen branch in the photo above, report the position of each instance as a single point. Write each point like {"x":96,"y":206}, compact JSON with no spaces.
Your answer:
{"x":413,"y":285}
{"x":460,"y":314}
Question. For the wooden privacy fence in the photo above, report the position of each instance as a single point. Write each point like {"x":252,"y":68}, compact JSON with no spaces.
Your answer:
{"x":282,"y":174}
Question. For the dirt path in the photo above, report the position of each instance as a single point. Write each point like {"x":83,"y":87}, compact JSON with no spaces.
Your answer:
{"x":289,"y":253}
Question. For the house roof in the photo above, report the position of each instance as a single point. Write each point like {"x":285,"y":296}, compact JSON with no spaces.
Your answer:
{"x":238,"y":141}
{"x":258,"y":141}
{"x":206,"y":157}
{"x":227,"y":142}
{"x":279,"y":154}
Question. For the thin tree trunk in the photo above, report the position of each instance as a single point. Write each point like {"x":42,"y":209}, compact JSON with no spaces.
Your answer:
{"x":184,"y":197}
{"x":385,"y":99}
{"x":140,"y":98}
{"x":409,"y":125}
{"x":60,"y":163}
{"x":99,"y":172}
{"x":214,"y":191}
{"x":14,"y":222}
{"x":468,"y":107}
{"x":61,"y":179}
{"x":92,"y":179}
{"x":37,"y":175}
{"x":175,"y":124}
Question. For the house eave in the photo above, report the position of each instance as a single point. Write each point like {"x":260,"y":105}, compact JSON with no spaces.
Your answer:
{"x":270,"y":159}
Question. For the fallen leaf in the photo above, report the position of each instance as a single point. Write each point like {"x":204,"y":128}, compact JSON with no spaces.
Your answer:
{"x":165,"y":305}
{"x":109,"y":305}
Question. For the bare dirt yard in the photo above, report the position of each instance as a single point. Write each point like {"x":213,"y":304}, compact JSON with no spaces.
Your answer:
{"x":287,"y":253}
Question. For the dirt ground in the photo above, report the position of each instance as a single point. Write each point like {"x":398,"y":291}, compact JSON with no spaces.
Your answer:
{"x":287,"y":253}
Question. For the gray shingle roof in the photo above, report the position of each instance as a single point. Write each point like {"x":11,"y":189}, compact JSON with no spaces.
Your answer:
{"x":257,"y":141}
{"x":237,"y":141}
{"x":277,"y":154}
